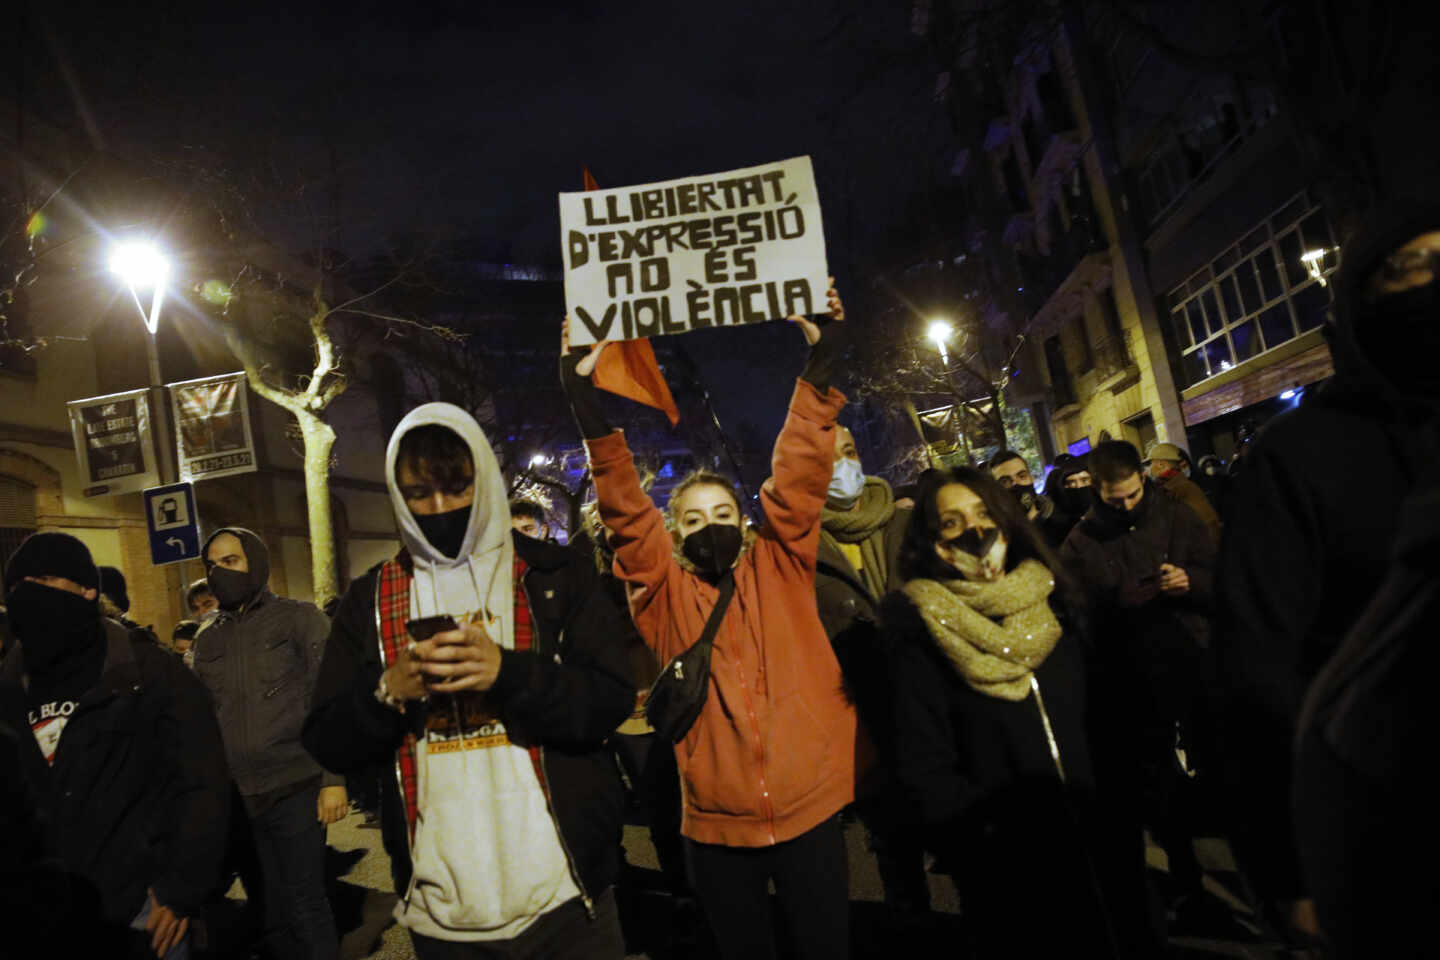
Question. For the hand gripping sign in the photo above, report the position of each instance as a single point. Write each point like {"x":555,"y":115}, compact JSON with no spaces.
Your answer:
{"x":746,"y":246}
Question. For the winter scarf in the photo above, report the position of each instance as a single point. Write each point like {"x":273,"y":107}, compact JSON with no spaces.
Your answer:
{"x":996,"y":633}
{"x":863,"y":525}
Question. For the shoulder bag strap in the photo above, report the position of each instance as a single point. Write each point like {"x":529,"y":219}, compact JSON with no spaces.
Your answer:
{"x":712,"y":625}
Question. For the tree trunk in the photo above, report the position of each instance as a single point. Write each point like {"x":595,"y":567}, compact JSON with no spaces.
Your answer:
{"x":319,"y":438}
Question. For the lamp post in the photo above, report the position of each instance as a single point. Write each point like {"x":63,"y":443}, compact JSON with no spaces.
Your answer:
{"x":940,"y":332}
{"x":141,"y":266}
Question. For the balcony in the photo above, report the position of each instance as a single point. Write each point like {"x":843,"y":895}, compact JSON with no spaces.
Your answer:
{"x":1057,"y":286}
{"x":1115,"y":363}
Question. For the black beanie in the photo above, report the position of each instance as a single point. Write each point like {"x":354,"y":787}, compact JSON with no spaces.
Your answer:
{"x":112,"y":584}
{"x":52,"y":555}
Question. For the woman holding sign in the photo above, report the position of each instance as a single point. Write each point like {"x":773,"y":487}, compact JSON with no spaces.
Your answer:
{"x":768,"y":760}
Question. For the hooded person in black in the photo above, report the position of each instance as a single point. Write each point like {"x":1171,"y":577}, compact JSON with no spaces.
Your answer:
{"x":123,"y":768}
{"x":259,"y":657}
{"x":1070,"y":501}
{"x":1307,"y":543}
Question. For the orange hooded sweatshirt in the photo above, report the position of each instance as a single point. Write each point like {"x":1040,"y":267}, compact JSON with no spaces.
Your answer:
{"x":772,"y":753}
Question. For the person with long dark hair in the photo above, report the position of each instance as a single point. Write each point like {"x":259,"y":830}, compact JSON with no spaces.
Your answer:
{"x":989,"y":690}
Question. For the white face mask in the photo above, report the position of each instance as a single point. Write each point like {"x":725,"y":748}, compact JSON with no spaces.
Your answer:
{"x":846,"y":483}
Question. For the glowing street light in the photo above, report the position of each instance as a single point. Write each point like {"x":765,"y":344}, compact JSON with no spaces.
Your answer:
{"x":539,"y":460}
{"x":940,"y":332}
{"x":1313,"y":260}
{"x":142,"y":266}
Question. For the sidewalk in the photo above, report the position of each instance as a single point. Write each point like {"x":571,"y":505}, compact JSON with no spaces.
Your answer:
{"x":364,"y":898}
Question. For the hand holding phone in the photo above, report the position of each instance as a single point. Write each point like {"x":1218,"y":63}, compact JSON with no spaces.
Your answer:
{"x":455,"y":658}
{"x":424,"y":628}
{"x":1174,"y":581}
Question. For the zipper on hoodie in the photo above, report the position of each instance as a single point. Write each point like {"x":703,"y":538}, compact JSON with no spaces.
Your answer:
{"x":1049,"y":730}
{"x":766,"y":803}
{"x":545,"y":776}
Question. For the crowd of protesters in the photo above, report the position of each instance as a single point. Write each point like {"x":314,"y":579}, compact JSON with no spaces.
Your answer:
{"x":1008,"y":686}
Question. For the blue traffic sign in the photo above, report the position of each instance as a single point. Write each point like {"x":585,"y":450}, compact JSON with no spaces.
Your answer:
{"x":173,"y":523}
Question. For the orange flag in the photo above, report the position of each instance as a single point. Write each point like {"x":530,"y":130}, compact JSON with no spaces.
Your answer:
{"x":629,"y":367}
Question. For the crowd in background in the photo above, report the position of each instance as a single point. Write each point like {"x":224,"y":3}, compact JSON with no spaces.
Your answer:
{"x":1009,"y":685}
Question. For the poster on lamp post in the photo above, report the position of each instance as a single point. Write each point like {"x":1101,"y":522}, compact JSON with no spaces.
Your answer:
{"x":113,"y":443}
{"x":212,"y":427}
{"x":746,"y":246}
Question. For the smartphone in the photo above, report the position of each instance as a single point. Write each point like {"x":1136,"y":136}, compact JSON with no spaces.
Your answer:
{"x":426,"y":627}
{"x":1149,"y":580}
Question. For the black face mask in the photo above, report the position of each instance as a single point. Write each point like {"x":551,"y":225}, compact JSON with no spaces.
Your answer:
{"x":1389,"y":332}
{"x":231,"y":587}
{"x":713,"y":548}
{"x":445,"y":531}
{"x":52,"y":624}
{"x":1119,"y":515}
{"x":975,"y":541}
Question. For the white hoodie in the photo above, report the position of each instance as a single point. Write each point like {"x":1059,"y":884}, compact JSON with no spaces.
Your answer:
{"x":488,"y":859}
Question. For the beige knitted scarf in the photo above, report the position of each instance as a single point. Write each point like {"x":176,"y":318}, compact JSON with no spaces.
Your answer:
{"x":995,"y":633}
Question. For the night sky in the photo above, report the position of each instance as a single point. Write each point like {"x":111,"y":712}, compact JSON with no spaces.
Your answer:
{"x":471,"y":117}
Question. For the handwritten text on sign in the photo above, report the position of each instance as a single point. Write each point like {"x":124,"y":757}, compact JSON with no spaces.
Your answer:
{"x":740,"y":247}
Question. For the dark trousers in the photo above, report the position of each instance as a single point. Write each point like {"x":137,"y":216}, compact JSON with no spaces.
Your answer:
{"x":564,"y":933}
{"x":649,"y":762}
{"x":812,"y":889}
{"x":290,"y":844}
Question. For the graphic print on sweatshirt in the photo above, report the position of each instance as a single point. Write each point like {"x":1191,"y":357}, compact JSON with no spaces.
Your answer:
{"x":48,"y":722}
{"x":468,"y":720}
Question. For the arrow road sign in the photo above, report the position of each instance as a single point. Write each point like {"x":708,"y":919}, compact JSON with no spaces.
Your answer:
{"x":173,"y":523}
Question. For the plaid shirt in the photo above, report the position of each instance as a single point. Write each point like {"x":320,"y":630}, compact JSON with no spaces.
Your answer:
{"x":393,"y":612}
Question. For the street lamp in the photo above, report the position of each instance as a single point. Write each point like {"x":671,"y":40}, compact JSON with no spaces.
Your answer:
{"x":141,"y":265}
{"x":940,"y":333}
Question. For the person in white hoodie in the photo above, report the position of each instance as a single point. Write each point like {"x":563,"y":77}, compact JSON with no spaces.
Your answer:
{"x":503,"y":817}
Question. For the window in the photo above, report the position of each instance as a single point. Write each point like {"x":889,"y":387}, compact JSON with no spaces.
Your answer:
{"x":1254,"y":296}
{"x":17,"y":515}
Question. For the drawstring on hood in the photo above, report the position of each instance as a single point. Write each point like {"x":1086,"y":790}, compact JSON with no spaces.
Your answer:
{"x":478,"y":579}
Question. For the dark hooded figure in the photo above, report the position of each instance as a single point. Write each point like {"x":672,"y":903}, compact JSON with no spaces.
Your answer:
{"x":1069,"y":487}
{"x":113,"y":777}
{"x":259,"y":657}
{"x":115,"y":603}
{"x":1306,"y":545}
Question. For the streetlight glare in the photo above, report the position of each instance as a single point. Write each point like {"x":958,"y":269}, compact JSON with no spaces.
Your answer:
{"x":141,"y":265}
{"x":940,"y":332}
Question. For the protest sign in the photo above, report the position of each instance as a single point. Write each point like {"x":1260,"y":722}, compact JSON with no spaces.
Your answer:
{"x":745,"y":246}
{"x":212,"y":427}
{"x":113,"y":443}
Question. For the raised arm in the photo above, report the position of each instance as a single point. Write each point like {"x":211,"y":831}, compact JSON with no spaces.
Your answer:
{"x":644,"y":553}
{"x":805,"y":449}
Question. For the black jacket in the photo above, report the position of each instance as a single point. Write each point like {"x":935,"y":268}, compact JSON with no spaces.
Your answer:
{"x":1310,"y":523}
{"x":260,"y":667}
{"x":851,"y":618}
{"x":1117,"y":559}
{"x":958,"y":750}
{"x":566,"y":695}
{"x":138,"y":796}
{"x":980,"y":779}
